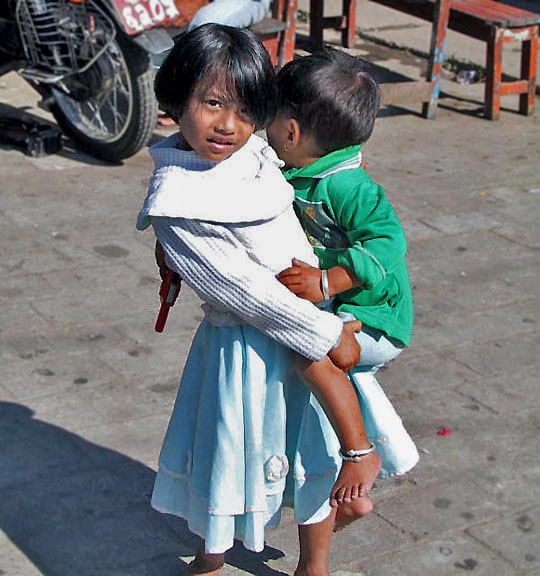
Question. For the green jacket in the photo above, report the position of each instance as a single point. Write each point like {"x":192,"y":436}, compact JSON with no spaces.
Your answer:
{"x":350,"y":223}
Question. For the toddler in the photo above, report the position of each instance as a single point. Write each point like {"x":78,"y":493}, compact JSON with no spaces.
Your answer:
{"x":327,"y":105}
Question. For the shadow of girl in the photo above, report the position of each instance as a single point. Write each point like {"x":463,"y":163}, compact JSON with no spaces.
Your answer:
{"x":75,"y":508}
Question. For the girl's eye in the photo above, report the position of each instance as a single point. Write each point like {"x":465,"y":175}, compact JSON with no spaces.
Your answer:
{"x":213,"y":103}
{"x":244,"y":114}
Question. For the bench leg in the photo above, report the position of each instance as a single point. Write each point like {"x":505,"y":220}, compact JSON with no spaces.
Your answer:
{"x":288,"y":37}
{"x":528,"y":72}
{"x":492,"y":96}
{"x":436,"y":55}
{"x":349,"y":32}
{"x":316,"y":22}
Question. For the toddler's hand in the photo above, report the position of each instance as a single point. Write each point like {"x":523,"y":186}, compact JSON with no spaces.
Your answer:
{"x":303,"y":280}
{"x":347,"y":354}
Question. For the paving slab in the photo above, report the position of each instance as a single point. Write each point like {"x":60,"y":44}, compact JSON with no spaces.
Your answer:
{"x":450,"y":556}
{"x":521,"y":536}
{"x":499,"y":355}
{"x":42,"y":376}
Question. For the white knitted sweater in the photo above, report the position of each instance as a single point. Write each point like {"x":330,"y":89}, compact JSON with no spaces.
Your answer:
{"x":228,"y":228}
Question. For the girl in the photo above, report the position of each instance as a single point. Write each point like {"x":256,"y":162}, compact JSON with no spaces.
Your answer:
{"x":223,"y":213}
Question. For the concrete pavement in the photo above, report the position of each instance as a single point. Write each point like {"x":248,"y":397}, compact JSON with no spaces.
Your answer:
{"x":87,"y":386}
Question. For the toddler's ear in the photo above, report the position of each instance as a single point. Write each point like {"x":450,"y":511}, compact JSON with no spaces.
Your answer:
{"x":293,"y":132}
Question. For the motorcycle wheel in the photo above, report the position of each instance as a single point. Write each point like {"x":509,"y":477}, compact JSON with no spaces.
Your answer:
{"x":119,"y":121}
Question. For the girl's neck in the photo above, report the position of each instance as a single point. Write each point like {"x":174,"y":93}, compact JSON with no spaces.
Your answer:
{"x":182,"y":143}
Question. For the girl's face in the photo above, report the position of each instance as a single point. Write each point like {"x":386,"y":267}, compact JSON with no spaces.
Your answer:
{"x":215,"y":124}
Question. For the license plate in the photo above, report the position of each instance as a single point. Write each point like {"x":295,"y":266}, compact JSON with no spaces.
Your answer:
{"x":139,"y":15}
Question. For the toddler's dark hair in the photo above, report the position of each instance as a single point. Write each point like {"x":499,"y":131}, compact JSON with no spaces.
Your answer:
{"x":332,"y":96}
{"x":217,"y":53}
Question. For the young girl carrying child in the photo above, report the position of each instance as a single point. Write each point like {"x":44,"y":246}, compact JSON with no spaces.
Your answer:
{"x":327,"y":105}
{"x":223,"y":213}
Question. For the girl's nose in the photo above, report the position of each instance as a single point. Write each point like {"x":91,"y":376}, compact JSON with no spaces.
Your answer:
{"x":226,"y":122}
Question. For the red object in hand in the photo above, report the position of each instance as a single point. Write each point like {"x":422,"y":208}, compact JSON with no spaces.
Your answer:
{"x":168,"y":293}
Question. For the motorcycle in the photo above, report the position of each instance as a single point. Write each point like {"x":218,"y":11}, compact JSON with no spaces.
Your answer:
{"x":92,"y":63}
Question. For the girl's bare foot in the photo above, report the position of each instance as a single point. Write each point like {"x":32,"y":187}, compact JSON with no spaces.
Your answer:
{"x":347,"y":513}
{"x":355,"y":480}
{"x":206,"y":563}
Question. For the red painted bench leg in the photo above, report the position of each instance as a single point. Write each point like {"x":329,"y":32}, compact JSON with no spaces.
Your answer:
{"x":316,"y":23}
{"x":436,"y":55}
{"x":528,"y":72}
{"x":492,"y":98}
{"x":349,"y":32}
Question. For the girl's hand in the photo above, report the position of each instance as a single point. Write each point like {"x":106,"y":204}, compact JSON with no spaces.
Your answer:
{"x":160,"y":260}
{"x":346,"y":354}
{"x":303,"y":280}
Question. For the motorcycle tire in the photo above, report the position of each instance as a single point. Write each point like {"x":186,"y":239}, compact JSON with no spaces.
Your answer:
{"x":119,"y":125}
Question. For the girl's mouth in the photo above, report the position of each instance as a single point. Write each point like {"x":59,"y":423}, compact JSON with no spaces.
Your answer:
{"x":219,"y":145}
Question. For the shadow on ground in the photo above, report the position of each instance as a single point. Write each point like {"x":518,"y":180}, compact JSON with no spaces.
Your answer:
{"x":72,"y":507}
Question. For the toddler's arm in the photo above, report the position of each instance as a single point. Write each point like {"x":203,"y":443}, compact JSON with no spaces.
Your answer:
{"x":376,"y":237}
{"x":306,"y":281}
{"x":216,"y":265}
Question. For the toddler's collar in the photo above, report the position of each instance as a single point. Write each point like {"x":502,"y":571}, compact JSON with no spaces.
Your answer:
{"x":347,"y":158}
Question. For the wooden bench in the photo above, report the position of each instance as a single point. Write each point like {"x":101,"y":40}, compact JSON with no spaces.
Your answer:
{"x":498,"y":24}
{"x":278,"y":32}
{"x":492,"y":22}
{"x":346,"y":22}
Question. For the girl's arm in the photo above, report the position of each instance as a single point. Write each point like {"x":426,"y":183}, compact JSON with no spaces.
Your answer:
{"x":216,"y":265}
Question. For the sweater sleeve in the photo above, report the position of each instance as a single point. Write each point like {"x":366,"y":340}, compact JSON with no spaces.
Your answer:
{"x":215,"y":264}
{"x":376,"y":238}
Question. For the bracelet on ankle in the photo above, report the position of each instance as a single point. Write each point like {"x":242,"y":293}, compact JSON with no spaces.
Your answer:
{"x":356,"y":455}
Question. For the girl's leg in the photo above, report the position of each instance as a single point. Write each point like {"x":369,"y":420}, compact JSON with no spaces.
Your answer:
{"x":315,"y":547}
{"x":204,"y":563}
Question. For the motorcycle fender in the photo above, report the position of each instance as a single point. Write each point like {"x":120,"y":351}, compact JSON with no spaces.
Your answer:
{"x":155,"y":41}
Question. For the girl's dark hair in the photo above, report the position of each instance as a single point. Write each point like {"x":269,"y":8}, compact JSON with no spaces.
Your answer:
{"x":214,"y":52}
{"x":332,"y":96}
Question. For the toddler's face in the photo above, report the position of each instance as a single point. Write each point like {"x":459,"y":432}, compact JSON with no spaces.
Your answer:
{"x":278,"y":137}
{"x":215,"y":124}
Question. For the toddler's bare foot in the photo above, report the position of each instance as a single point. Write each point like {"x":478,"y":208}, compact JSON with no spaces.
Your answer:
{"x":355,"y":480}
{"x":206,"y":563}
{"x":347,"y":513}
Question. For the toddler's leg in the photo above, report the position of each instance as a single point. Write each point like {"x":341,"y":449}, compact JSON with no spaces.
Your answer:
{"x":314,"y":547}
{"x":347,"y":513}
{"x":204,"y":563}
{"x":338,"y":399}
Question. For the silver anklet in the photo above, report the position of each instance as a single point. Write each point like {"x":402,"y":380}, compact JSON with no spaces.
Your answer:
{"x":356,"y":455}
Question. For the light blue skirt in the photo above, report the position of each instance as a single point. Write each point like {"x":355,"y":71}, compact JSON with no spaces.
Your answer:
{"x":238,"y":420}
{"x":246,"y":436}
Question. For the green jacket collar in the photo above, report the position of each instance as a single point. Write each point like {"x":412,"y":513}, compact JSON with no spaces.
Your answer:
{"x":342,"y":159}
